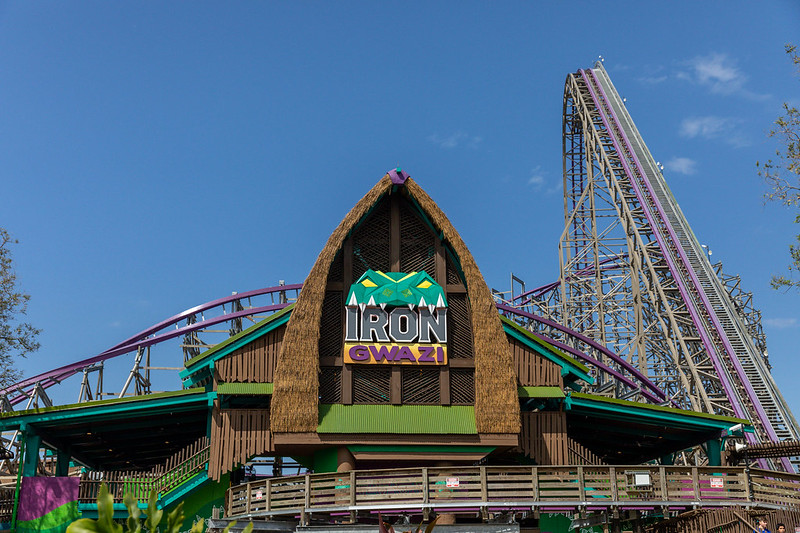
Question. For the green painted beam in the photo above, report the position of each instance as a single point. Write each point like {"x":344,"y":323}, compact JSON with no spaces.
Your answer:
{"x":420,"y":449}
{"x":669,"y":414}
{"x":540,"y":392}
{"x":550,"y":352}
{"x":397,"y":419}
{"x":237,"y":341}
{"x":244,"y":389}
{"x":153,"y":403}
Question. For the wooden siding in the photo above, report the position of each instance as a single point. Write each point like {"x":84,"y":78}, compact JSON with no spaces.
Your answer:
{"x":254,"y":362}
{"x":236,"y":436}
{"x":533,"y":369}
{"x":544,"y":437}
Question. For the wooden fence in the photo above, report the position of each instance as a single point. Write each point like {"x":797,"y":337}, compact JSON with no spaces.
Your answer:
{"x":175,"y":471}
{"x":487,"y":487}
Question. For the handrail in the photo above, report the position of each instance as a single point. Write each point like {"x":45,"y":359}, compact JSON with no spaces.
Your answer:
{"x":495,"y":487}
{"x":160,"y":479}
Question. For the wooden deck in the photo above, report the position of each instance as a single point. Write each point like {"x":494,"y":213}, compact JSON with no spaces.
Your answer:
{"x":488,"y":489}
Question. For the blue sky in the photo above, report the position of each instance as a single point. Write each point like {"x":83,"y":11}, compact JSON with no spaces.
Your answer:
{"x":155,"y":155}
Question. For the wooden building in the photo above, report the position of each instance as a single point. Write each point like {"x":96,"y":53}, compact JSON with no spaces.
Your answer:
{"x":393,"y":356}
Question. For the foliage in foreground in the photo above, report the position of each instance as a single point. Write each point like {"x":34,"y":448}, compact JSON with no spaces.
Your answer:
{"x":105,"y":517}
{"x":783,"y":175}
{"x":16,"y":338}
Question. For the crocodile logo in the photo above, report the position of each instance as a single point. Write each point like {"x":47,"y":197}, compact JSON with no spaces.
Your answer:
{"x":396,"y":317}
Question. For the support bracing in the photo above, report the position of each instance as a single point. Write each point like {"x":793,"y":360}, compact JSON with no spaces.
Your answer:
{"x":635,"y":278}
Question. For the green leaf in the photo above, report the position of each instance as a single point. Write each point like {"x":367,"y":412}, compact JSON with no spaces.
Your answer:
{"x":175,"y":519}
{"x":105,"y":511}
{"x":153,"y":513}
{"x":198,"y":526}
{"x":84,"y":525}
{"x":133,"y":523}
{"x":248,"y":528}
{"x":228,"y":527}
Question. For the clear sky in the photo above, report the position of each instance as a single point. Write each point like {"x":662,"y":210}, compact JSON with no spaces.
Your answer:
{"x":157,"y":155}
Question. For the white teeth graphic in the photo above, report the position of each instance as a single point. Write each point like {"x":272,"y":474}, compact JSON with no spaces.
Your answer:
{"x":371,"y":301}
{"x":383,"y":305}
{"x":431,"y":307}
{"x":410,"y":307}
{"x":440,"y":302}
{"x":362,"y":307}
{"x":353,"y":300}
{"x":422,"y":301}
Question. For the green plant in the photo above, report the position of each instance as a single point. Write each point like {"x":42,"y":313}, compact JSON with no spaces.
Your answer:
{"x":105,"y":517}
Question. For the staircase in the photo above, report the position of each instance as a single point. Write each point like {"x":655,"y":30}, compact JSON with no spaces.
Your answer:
{"x":179,"y":469}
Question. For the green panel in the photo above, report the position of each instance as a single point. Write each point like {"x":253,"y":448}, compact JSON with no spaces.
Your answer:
{"x":540,"y":392}
{"x":56,"y":521}
{"x":248,"y":389}
{"x":405,"y":419}
{"x":200,"y":501}
{"x":578,"y":399}
{"x":326,"y":460}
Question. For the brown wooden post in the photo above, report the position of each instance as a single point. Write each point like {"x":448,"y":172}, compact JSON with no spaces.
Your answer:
{"x":695,"y":483}
{"x":347,"y":276}
{"x":662,"y":473}
{"x":352,"y":495}
{"x":612,"y":472}
{"x":307,"y":501}
{"x":581,"y":484}
{"x":269,"y":494}
{"x":425,"y":495}
{"x":535,"y":482}
{"x":249,"y":497}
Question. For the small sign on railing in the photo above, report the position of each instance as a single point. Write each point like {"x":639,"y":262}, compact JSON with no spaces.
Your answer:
{"x":452,"y":482}
{"x":717,"y":483}
{"x":259,"y":495}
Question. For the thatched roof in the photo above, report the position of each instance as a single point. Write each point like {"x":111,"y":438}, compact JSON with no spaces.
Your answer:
{"x":296,"y":391}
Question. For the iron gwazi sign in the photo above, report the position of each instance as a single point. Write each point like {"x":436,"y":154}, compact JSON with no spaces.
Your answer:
{"x":396,"y":318}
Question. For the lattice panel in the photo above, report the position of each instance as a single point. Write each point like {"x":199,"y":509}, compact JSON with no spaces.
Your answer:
{"x":371,"y":384}
{"x":462,"y":386}
{"x":421,"y":385}
{"x":452,"y":272}
{"x":371,"y":242}
{"x":417,"y":243}
{"x":336,"y":272}
{"x":331,"y":329}
{"x":330,"y":385}
{"x":459,"y":327}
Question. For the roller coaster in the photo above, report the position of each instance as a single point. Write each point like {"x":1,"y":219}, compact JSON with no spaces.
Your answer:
{"x":637,"y":298}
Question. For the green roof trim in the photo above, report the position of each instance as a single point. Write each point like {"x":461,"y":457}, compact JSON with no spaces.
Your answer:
{"x":578,"y":399}
{"x":576,"y":368}
{"x":540,"y":392}
{"x":114,"y":406}
{"x":245,"y":389}
{"x":398,"y":419}
{"x":230,"y":344}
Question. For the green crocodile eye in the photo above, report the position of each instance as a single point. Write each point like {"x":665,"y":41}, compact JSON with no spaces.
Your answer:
{"x":368,"y":283}
{"x":424,"y":285}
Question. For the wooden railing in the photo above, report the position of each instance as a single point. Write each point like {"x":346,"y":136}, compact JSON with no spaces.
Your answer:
{"x":489,"y":487}
{"x":174,"y":472}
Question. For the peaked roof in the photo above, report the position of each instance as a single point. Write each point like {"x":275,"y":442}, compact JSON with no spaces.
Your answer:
{"x":295,"y":406}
